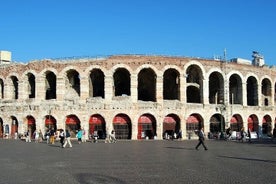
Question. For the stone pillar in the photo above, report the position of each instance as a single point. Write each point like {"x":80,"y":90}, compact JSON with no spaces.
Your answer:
{"x":134,"y":87}
{"x":205,"y":91}
{"x":159,"y":89}
{"x":60,"y":88}
{"x":108,"y":87}
{"x":273,"y":95}
{"x":40,"y":91}
{"x":260,"y":96}
{"x":84,"y":88}
{"x":182,"y":91}
{"x":244,"y":94}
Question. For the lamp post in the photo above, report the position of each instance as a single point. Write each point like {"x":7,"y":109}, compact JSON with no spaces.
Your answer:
{"x":221,"y":108}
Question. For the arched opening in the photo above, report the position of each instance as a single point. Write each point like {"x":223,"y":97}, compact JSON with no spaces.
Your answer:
{"x":31,"y":85}
{"x":50,"y":85}
{"x":14,"y":89}
{"x":31,"y":125}
{"x":122,"y":126}
{"x":217,"y":126}
{"x":50,"y":123}
{"x":72,"y":124}
{"x":235,"y":89}
{"x":253,"y":123}
{"x":146,"y":127}
{"x":73,"y":83}
{"x":97,"y":126}
{"x":193,"y":124}
{"x":267,"y":126}
{"x":171,"y":127}
{"x":1,"y":128}
{"x":121,"y":79}
{"x":171,"y":85}
{"x":1,"y":89}
{"x":252,"y":91}
{"x":96,"y":83}
{"x":266,"y":92}
{"x":194,"y":80}
{"x":236,"y":123}
{"x":216,"y":88}
{"x":147,"y":85}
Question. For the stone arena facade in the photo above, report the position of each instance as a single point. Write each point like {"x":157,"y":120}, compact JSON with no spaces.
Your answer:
{"x":140,"y":97}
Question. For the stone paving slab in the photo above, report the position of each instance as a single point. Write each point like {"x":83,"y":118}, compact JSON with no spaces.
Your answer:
{"x":137,"y":162}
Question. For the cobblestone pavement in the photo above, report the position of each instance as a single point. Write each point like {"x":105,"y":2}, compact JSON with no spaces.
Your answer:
{"x":137,"y":162}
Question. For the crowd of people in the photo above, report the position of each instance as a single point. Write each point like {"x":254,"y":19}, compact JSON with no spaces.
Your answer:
{"x":51,"y":136}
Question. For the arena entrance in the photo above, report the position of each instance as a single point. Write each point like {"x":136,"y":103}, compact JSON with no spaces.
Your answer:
{"x":253,"y":123}
{"x":193,"y":124}
{"x":72,"y":124}
{"x":122,"y":126}
{"x":236,"y":123}
{"x":146,"y":127}
{"x":217,"y":126}
{"x":50,"y":122}
{"x":97,"y":126}
{"x":31,"y":125}
{"x":267,"y":126}
{"x":1,"y":128}
{"x":171,"y":127}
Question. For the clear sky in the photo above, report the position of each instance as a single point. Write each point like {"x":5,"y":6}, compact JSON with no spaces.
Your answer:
{"x":38,"y":29}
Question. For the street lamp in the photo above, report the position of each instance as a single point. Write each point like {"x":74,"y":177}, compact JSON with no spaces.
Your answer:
{"x":221,"y":108}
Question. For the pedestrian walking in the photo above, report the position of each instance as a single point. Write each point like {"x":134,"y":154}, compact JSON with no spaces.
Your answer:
{"x":28,"y":136}
{"x":201,"y":138}
{"x":47,"y":136}
{"x":112,"y":137}
{"x":61,"y":136}
{"x":79,"y":136}
{"x":36,"y":136}
{"x":52,"y":136}
{"x":67,"y":139}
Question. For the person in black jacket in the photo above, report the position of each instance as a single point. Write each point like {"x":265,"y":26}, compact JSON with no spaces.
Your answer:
{"x":201,"y":139}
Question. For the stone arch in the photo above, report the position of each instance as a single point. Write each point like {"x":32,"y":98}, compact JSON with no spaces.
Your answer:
{"x":194,"y":84}
{"x":96,"y":83}
{"x":171,"y":126}
{"x":171,"y":84}
{"x":72,"y":84}
{"x":217,"y":126}
{"x":122,"y":82}
{"x":193,"y":123}
{"x":2,"y":88}
{"x":122,"y":126}
{"x":216,"y":88}
{"x":252,"y":91}
{"x":235,"y":89}
{"x":73,"y":124}
{"x":253,"y":123}
{"x":147,"y":85}
{"x":50,"y":85}
{"x":266,"y":92}
{"x":97,"y":126}
{"x":146,"y":127}
{"x":31,"y":124}
{"x":236,"y":123}
{"x":267,"y":125}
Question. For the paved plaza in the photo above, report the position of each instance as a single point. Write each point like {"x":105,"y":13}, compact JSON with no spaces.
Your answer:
{"x":137,"y":162}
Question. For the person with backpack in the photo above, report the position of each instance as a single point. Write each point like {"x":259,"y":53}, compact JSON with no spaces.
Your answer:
{"x":67,"y":139}
{"x":201,"y":139}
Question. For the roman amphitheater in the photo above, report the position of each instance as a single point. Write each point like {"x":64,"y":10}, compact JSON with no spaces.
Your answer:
{"x":139,"y":96}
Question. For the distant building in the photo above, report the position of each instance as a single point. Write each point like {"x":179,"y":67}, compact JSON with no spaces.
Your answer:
{"x":5,"y":57}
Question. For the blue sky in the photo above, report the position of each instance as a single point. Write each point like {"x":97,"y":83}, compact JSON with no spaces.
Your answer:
{"x":38,"y":29}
